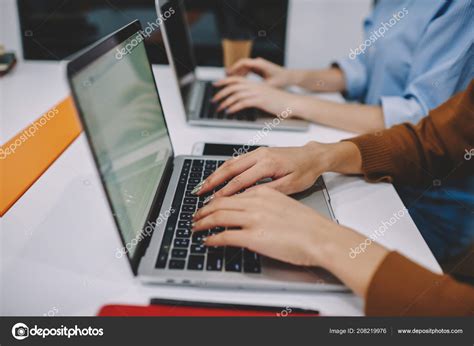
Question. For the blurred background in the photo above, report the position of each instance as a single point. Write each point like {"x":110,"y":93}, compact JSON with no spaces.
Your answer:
{"x":296,"y":33}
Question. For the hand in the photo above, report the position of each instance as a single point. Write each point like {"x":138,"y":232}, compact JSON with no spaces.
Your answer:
{"x":270,"y":223}
{"x":273,"y":74}
{"x":292,"y":169}
{"x":239,"y":93}
{"x":282,"y":228}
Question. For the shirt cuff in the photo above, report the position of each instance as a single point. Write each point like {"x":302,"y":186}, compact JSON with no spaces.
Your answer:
{"x":397,"y":110}
{"x":355,"y":77}
{"x":376,"y":154}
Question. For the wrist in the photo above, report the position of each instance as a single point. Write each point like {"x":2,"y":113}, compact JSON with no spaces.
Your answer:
{"x":333,"y":157}
{"x":294,"y":77}
{"x":342,"y":157}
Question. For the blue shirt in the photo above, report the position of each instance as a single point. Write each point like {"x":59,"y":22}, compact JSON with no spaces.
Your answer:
{"x":416,"y":54}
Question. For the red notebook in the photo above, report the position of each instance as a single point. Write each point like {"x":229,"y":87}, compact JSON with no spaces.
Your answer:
{"x":167,"y":308}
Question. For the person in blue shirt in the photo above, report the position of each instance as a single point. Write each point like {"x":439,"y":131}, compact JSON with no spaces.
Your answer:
{"x":415,"y":55}
{"x":411,"y":61}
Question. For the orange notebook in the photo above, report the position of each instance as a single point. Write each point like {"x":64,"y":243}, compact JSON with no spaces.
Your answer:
{"x":25,"y":157}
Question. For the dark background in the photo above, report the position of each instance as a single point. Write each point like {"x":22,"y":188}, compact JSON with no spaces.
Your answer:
{"x":56,"y":29}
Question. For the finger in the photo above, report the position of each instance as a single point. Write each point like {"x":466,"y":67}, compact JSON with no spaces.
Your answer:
{"x":228,"y":170}
{"x":251,"y":102}
{"x":283,"y":184}
{"x":228,"y":91}
{"x":241,"y":67}
{"x":243,"y":180}
{"x":228,"y":81}
{"x":229,"y":238}
{"x":228,"y":102}
{"x":222,"y":203}
{"x":222,"y":218}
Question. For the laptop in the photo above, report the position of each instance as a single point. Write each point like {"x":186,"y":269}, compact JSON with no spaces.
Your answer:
{"x":149,"y":189}
{"x":195,"y":93}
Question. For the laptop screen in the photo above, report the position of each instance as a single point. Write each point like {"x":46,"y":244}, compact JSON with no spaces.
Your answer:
{"x":179,"y":40}
{"x":124,"y":119}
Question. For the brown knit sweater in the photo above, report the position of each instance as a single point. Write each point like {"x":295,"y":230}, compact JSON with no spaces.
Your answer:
{"x":413,"y":154}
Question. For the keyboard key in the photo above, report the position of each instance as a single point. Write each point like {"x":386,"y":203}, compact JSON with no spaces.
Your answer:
{"x":194,"y":180}
{"x":184,"y":224}
{"x":251,"y":262}
{"x":197,"y":169}
{"x":214,"y":262}
{"x":216,"y":230}
{"x":198,"y":249}
{"x":190,"y":200}
{"x":181,"y":242}
{"x":195,"y":175}
{"x":189,"y":208}
{"x":233,"y":259}
{"x":183,"y":233}
{"x":185,"y":216}
{"x":196,"y":262}
{"x":217,"y":250}
{"x":162,"y":258}
{"x":197,"y":236}
{"x":179,"y":253}
{"x":166,"y":242}
{"x":176,"y":264}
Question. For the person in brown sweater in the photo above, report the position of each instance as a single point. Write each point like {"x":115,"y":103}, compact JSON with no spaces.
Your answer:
{"x":285,"y":229}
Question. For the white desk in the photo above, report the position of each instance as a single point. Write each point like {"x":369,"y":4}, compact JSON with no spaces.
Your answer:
{"x":58,"y":240}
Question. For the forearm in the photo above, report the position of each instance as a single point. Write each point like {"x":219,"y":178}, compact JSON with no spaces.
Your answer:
{"x":356,"y":118}
{"x":334,"y":253}
{"x":325,"y":80}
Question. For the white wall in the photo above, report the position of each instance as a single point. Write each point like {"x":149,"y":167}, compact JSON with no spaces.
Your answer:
{"x":321,"y":30}
{"x":318,"y":30}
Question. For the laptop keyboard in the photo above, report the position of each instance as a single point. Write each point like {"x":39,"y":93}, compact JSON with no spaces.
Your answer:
{"x":180,"y":249}
{"x":209,"y":109}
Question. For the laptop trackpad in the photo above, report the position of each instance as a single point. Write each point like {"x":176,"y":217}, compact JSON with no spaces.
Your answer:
{"x":315,"y":198}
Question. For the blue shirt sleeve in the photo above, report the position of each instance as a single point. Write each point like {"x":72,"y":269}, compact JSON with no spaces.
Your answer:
{"x":355,"y":75}
{"x":354,"y":68}
{"x":441,"y":67}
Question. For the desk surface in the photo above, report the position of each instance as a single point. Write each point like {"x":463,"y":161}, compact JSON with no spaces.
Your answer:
{"x":58,"y":240}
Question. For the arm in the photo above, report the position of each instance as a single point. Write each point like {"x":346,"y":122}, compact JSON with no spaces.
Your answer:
{"x":353,"y":117}
{"x":324,"y":80}
{"x":292,"y":232}
{"x":437,"y":145}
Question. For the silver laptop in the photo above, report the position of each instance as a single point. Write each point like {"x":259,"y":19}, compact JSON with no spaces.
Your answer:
{"x":149,"y":189}
{"x":196,"y":94}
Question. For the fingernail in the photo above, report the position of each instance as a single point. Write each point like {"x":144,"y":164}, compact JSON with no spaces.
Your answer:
{"x":203,"y":240}
{"x":193,"y":224}
{"x":198,"y":187}
{"x":208,"y":199}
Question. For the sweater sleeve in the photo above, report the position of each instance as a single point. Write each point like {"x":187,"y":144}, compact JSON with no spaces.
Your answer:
{"x":441,"y":142}
{"x":400,"y":287}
